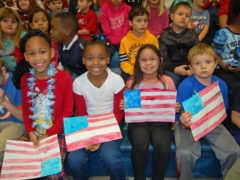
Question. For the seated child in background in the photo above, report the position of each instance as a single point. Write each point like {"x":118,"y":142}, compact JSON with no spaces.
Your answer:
{"x":40,"y":19}
{"x":55,"y":7}
{"x":98,"y":91}
{"x":227,"y":44}
{"x":115,"y":25}
{"x":9,"y":37}
{"x":11,"y":120}
{"x":158,"y":20}
{"x":64,"y":29}
{"x":212,"y":6}
{"x":200,"y":19}
{"x":135,"y":38}
{"x":25,"y":8}
{"x":87,"y":20}
{"x":203,"y":61}
{"x":176,"y":41}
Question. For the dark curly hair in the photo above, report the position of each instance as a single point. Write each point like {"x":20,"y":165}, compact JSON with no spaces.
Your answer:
{"x":23,"y":66}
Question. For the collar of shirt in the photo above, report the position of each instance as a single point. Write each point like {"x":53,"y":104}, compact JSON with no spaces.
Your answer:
{"x":75,"y":38}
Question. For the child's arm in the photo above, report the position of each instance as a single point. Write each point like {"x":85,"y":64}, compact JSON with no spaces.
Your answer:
{"x":80,"y":104}
{"x":203,"y":33}
{"x":15,"y":111}
{"x":90,"y":26}
{"x":83,"y":31}
{"x":125,"y":62}
{"x":185,"y":119}
{"x":236,"y":118}
{"x":116,"y":109}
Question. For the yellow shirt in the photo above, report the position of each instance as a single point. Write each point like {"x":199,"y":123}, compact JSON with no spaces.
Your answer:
{"x":129,"y":46}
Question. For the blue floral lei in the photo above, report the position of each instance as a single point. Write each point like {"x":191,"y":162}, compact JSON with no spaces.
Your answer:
{"x":46,"y":124}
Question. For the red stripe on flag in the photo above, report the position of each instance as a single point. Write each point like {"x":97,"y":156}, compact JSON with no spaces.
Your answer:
{"x":198,"y":136}
{"x":96,"y":140}
{"x":150,"y":106}
{"x":20,"y":144}
{"x":208,"y":116}
{"x":158,"y":97}
{"x":151,"y":120}
{"x":149,"y":113}
{"x":208,"y":89}
{"x":22,"y":167}
{"x":21,"y":175}
{"x":212,"y":99}
{"x":31,"y":160}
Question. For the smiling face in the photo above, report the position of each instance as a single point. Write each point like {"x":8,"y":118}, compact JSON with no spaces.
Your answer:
{"x":117,"y":3}
{"x":181,"y":18}
{"x":203,"y":66}
{"x":149,"y":62}
{"x":96,"y":59}
{"x":9,"y":26}
{"x":40,"y":21}
{"x":154,"y":3}
{"x":38,"y":54}
{"x":24,"y":4}
{"x":139,"y":24}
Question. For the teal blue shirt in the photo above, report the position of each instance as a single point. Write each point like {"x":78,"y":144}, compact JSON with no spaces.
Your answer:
{"x":10,"y":61}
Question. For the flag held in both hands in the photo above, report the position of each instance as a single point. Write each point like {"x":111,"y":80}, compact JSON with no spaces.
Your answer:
{"x":23,"y":161}
{"x":208,"y":110}
{"x":82,"y":131}
{"x":150,"y":105}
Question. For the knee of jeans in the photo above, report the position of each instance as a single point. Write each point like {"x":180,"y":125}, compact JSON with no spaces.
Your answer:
{"x":75,"y":159}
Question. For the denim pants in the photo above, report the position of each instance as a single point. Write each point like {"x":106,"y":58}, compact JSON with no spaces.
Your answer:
{"x":110,"y":155}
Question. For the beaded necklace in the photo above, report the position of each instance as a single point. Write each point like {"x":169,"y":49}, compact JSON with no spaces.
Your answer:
{"x":42,"y":119}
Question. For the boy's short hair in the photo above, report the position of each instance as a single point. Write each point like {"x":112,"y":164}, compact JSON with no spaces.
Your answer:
{"x":180,"y":4}
{"x":137,"y":11}
{"x":200,"y":49}
{"x":68,"y":21}
{"x":50,"y":1}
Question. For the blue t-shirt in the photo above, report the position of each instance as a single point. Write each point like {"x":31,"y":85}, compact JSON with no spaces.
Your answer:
{"x":199,"y":20}
{"x":11,"y":94}
{"x":227,"y":44}
{"x":191,"y":86}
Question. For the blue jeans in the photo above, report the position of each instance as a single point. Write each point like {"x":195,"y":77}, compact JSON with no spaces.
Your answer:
{"x":110,"y":155}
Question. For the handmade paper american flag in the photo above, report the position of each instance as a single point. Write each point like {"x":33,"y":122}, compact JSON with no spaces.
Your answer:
{"x":23,"y":161}
{"x":208,"y":110}
{"x":150,"y":105}
{"x":82,"y":131}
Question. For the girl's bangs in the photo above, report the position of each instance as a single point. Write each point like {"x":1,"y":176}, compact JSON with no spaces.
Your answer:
{"x":8,"y":15}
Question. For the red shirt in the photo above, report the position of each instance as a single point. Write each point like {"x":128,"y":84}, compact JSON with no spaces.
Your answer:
{"x":88,"y":21}
{"x":63,"y":101}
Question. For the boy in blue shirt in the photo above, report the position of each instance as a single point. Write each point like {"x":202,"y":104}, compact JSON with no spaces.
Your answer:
{"x":203,"y":61}
{"x":11,"y":120}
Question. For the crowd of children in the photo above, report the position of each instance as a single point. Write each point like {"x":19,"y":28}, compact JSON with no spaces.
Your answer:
{"x":57,"y":59}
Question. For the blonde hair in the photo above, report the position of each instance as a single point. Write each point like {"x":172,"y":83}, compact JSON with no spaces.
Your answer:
{"x":200,"y":49}
{"x":160,"y":7}
{"x":8,"y":12}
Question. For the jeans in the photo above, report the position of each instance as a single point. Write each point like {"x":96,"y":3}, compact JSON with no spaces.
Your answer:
{"x":109,"y":153}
